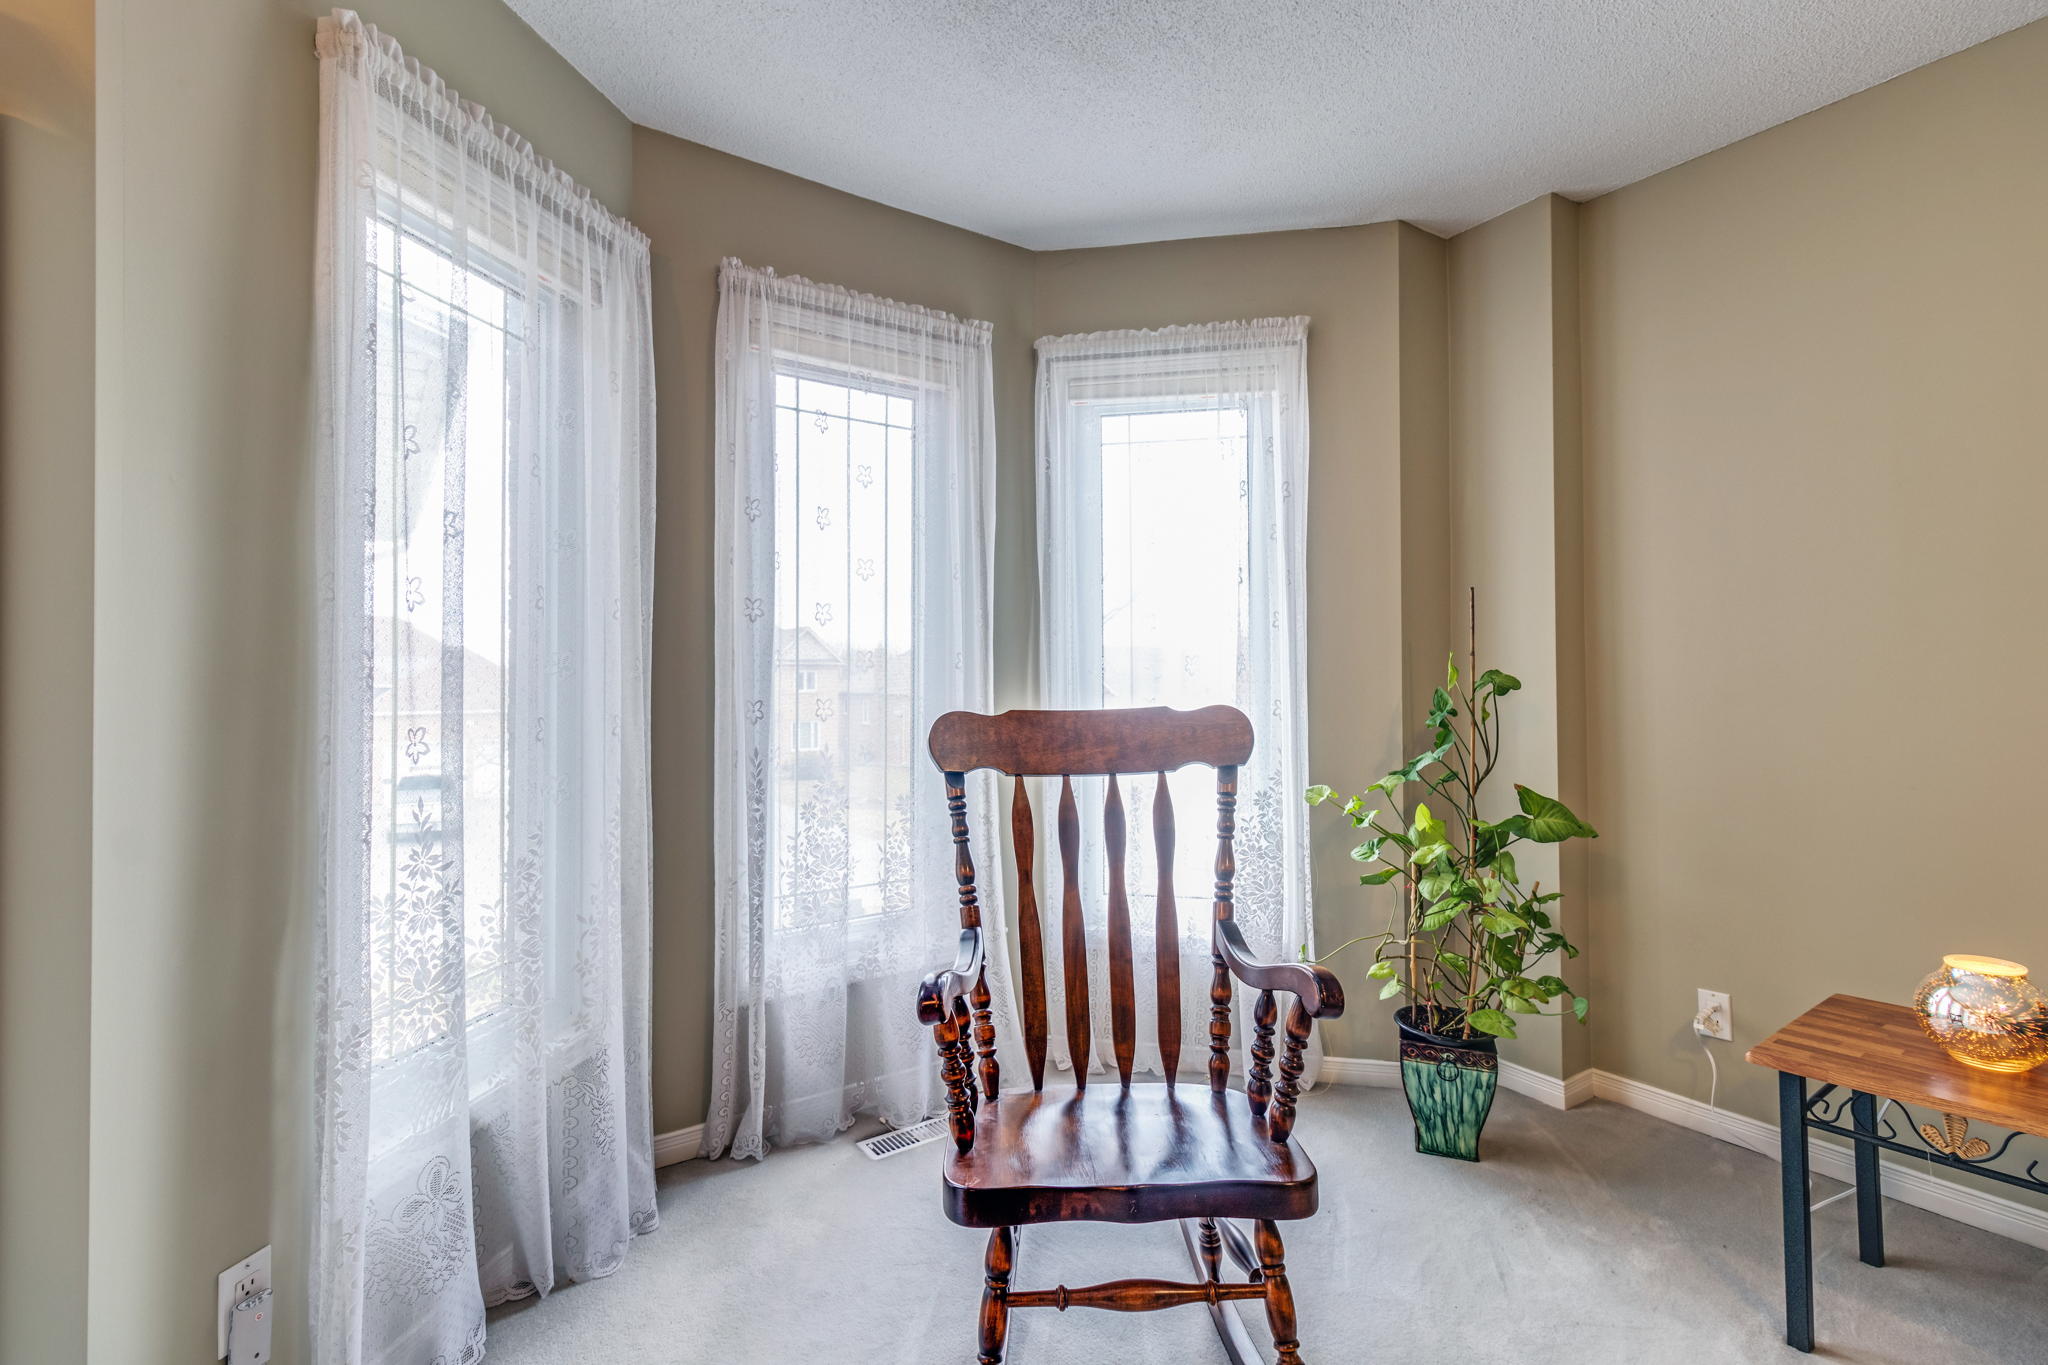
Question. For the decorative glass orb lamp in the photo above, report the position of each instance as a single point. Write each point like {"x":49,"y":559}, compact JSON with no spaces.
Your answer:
{"x":1985,"y":1013}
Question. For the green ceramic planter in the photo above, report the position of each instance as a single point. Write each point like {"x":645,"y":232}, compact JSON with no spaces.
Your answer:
{"x":1449,"y":1083}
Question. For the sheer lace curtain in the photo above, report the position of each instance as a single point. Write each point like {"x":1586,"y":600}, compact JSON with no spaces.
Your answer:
{"x":1172,"y":484}
{"x":856,"y":452}
{"x":484,"y":534}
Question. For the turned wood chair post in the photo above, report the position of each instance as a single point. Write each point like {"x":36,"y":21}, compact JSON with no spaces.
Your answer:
{"x":1279,"y":1295}
{"x":1219,"y":983}
{"x":1000,"y":1262}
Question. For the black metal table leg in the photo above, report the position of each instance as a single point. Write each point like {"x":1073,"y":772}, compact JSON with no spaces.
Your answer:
{"x":1798,"y":1212}
{"x":1869,"y":1191}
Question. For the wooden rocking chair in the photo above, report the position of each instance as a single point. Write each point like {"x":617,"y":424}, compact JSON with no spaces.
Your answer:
{"x":1129,"y":1153}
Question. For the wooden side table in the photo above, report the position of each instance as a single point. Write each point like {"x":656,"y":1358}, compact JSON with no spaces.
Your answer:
{"x":1874,"y":1050}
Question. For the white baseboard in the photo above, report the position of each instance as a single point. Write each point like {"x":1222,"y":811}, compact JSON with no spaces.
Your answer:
{"x":1903,"y":1180}
{"x":1359,"y":1071}
{"x":683,"y":1144}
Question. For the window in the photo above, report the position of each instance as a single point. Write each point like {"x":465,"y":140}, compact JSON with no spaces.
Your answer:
{"x":1175,"y":605}
{"x":482,"y":567}
{"x":854,"y":536}
{"x":845,"y":450}
{"x":1172,"y":469}
{"x":439,"y":729}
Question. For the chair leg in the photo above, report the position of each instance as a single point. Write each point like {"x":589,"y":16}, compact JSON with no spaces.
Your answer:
{"x":1279,"y":1297}
{"x":995,"y":1296}
{"x":1210,"y":1242}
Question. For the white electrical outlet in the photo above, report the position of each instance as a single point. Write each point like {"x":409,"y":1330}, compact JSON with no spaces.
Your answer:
{"x":1714,"y":1019}
{"x":238,"y":1282}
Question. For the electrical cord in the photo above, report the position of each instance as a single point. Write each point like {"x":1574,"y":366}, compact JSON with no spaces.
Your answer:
{"x":1699,"y":1029}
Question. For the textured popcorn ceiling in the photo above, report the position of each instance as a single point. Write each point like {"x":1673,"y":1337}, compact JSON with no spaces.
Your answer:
{"x":1059,"y":123}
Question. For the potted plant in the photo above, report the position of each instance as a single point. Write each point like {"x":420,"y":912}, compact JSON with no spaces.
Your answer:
{"x":1466,"y":934}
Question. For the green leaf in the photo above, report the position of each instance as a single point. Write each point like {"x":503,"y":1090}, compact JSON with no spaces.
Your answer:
{"x":1451,"y":673}
{"x":1368,"y":850}
{"x":1427,"y":829}
{"x":1379,"y":878}
{"x":1318,"y":794}
{"x":1391,"y":989}
{"x":1552,"y":987}
{"x":1549,"y":821}
{"x":1441,"y":707}
{"x":1504,"y":867}
{"x":1354,"y":806}
{"x":1500,"y":682}
{"x":1493,"y":839}
{"x":1493,"y":1022}
{"x":1430,"y":854}
{"x":1579,"y":1007}
{"x":1517,"y":1005}
{"x":1380,"y":971}
{"x":1437,"y":916}
{"x":1457,"y":962}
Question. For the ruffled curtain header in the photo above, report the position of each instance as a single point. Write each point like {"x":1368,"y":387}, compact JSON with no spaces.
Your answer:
{"x":735,"y":275}
{"x":1252,"y":333}
{"x":366,"y":51}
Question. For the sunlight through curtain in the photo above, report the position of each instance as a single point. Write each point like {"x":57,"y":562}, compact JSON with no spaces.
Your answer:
{"x":1172,"y":524}
{"x":856,"y":464}
{"x":484,"y":533}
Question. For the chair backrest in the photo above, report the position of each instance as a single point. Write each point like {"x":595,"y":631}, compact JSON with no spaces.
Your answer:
{"x":1069,"y":744}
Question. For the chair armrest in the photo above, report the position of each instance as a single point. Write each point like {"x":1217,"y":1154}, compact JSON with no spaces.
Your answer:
{"x":938,"y":992}
{"x":1320,"y":993}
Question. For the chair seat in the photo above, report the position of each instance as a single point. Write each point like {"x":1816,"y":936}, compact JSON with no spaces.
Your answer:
{"x":1142,"y":1155}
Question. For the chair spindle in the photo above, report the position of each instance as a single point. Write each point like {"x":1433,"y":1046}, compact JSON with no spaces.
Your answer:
{"x":1280,"y":1123}
{"x":1166,"y":933}
{"x":1029,"y":941}
{"x":1074,"y":933}
{"x":963,"y":1029}
{"x":985,"y":1036}
{"x":1123,"y":1003}
{"x":1226,"y":874}
{"x":953,"y":1071}
{"x":963,"y":860}
{"x":1258,"y":1084}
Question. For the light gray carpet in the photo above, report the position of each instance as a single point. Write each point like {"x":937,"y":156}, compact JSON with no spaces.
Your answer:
{"x":1595,"y":1236}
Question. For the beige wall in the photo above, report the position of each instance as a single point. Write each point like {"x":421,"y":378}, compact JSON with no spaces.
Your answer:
{"x":1514,"y":401}
{"x":698,"y":206}
{"x":46,"y":534}
{"x":207,"y":156}
{"x":1814,"y":476}
{"x":1374,"y":297}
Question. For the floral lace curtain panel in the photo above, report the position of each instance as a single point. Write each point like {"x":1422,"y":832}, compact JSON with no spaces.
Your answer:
{"x":484,"y":529}
{"x":856,"y":446}
{"x":1172,"y":515}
